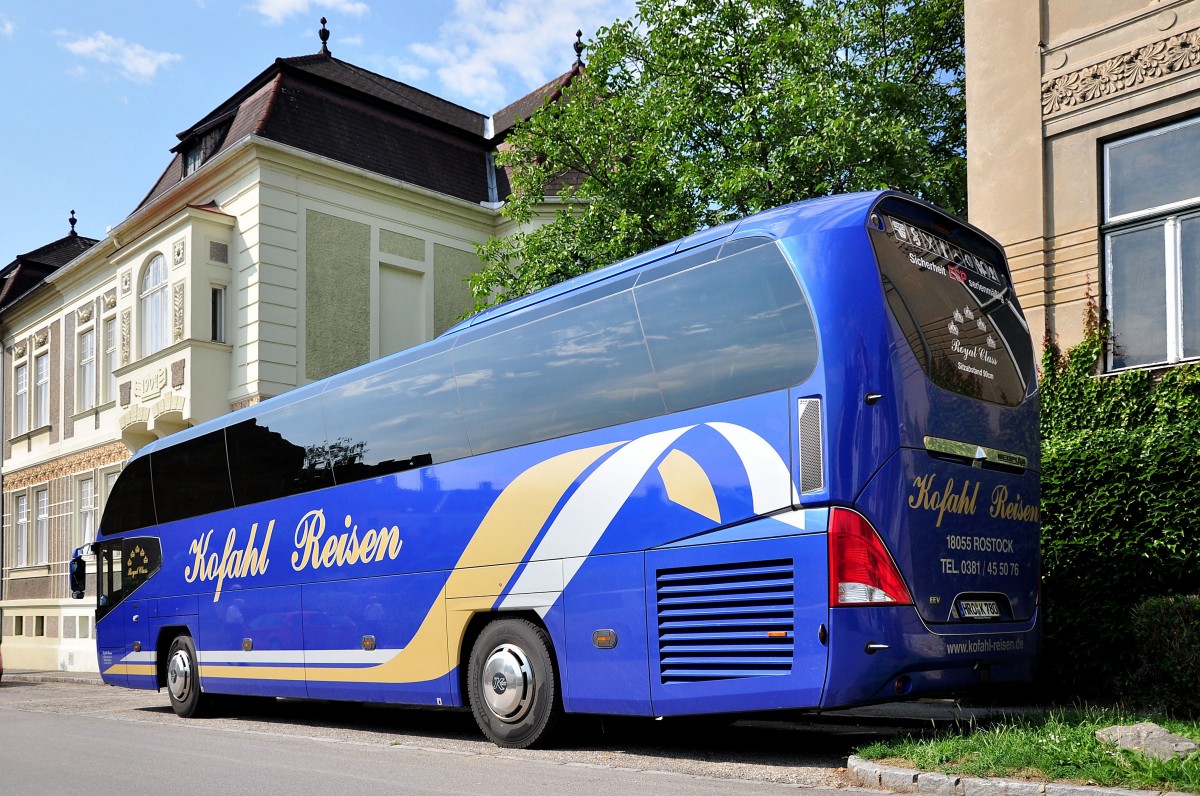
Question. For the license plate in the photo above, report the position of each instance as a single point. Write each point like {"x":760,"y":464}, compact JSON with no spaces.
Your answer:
{"x":979,"y":609}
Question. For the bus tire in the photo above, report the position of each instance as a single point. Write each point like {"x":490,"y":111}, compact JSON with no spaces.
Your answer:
{"x":512,"y":684}
{"x":183,"y":680}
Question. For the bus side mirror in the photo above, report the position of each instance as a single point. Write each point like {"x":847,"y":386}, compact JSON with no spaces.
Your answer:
{"x":78,"y":574}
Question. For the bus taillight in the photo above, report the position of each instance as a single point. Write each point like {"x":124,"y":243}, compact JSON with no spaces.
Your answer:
{"x":861,"y":571}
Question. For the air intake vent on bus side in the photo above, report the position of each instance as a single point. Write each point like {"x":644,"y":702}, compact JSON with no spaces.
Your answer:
{"x":724,"y":622}
{"x":812,"y":468}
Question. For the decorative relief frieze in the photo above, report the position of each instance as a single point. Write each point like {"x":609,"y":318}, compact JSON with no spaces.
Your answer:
{"x":126,"y":282}
{"x":126,"y":318}
{"x":84,"y":313}
{"x":110,"y":299}
{"x":242,"y":403}
{"x":64,"y":466}
{"x":177,"y":311}
{"x":41,"y":338}
{"x":150,"y":386}
{"x":179,"y":252}
{"x":1146,"y":64}
{"x":19,"y":350}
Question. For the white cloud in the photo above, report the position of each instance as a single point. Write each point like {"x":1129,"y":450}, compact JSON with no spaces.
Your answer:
{"x":6,"y":27}
{"x":134,"y":61}
{"x":486,"y":49}
{"x":276,"y":11}
{"x":408,"y":72}
{"x":350,"y":41}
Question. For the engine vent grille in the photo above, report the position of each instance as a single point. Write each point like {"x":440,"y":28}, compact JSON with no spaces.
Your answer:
{"x":726,"y":622}
{"x":812,"y":470}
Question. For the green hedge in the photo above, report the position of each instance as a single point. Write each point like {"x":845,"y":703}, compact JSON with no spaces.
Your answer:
{"x":1167,"y":678}
{"x":1120,"y":509}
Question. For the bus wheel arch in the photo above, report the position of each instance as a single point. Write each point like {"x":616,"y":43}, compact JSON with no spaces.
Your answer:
{"x":183,"y":679}
{"x":166,"y":636}
{"x":513,"y":686}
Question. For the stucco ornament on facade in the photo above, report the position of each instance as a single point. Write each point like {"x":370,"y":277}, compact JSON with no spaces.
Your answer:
{"x":177,"y":311}
{"x":85,"y":313}
{"x":126,"y":319}
{"x":111,"y":453}
{"x":150,"y":386}
{"x":1119,"y":73}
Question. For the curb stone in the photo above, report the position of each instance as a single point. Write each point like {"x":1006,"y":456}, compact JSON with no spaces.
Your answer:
{"x":867,"y":774}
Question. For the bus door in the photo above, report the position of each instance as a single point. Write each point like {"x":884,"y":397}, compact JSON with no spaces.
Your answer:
{"x":122,"y":618}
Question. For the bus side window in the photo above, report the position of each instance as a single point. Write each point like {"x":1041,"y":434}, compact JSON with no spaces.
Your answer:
{"x":736,"y":327}
{"x":131,"y":504}
{"x":396,"y":420}
{"x":581,"y":369}
{"x":191,"y":478}
{"x":279,"y":453}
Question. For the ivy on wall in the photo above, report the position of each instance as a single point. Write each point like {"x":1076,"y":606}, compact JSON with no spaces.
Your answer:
{"x":1121,"y":508}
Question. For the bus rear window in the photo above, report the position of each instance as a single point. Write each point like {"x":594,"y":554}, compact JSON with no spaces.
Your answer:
{"x":953,"y":302}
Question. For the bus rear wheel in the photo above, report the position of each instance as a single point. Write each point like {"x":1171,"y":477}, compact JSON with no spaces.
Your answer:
{"x":512,"y":684}
{"x":183,"y":680}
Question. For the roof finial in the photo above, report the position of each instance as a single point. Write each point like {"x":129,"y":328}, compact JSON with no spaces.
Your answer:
{"x":324,"y":34}
{"x":72,"y":220}
{"x":578,"y":48}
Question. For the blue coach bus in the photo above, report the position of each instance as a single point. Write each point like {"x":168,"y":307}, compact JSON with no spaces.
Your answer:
{"x":788,"y":462}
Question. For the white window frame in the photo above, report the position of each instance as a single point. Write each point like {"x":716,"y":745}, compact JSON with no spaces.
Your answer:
{"x":154,"y":306}
{"x":41,"y":390}
{"x":41,"y":501}
{"x":110,"y":365}
{"x":87,"y":370}
{"x":87,"y":516}
{"x":21,"y":398}
{"x":217,"y":295}
{"x":1168,"y":216}
{"x":21,"y":530}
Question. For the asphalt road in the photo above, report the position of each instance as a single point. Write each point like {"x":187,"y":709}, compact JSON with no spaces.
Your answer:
{"x":76,"y":738}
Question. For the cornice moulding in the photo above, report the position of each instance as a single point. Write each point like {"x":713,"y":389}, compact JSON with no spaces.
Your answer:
{"x":1143,"y":66}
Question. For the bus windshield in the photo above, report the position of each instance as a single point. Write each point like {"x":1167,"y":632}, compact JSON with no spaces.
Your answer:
{"x":955,"y":308}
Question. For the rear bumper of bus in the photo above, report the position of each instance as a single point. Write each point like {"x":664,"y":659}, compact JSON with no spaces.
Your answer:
{"x":883,"y":653}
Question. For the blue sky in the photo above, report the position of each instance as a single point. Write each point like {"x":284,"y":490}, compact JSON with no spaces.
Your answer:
{"x":93,"y":93}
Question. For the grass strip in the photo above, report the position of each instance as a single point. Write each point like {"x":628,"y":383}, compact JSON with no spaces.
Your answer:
{"x":1059,"y":745}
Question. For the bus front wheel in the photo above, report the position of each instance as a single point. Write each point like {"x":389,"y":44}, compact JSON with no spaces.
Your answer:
{"x":512,"y":684}
{"x":183,"y":680}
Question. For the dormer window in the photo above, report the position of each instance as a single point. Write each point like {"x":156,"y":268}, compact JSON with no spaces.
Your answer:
{"x":192,"y":158}
{"x":202,"y":143}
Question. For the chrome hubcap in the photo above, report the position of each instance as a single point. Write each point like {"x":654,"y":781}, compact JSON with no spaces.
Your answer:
{"x":507,"y":683}
{"x":180,"y":675}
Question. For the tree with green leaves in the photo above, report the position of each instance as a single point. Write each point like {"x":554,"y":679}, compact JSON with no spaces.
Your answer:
{"x":695,"y":113}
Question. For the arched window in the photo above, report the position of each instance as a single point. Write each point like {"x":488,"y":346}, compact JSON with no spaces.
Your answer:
{"x":154,"y":306}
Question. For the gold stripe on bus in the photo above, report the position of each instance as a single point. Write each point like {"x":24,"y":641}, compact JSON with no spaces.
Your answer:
{"x":132,"y":668}
{"x":688,"y":485}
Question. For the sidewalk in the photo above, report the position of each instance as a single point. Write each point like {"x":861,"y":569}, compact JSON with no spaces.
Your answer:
{"x":50,"y":676}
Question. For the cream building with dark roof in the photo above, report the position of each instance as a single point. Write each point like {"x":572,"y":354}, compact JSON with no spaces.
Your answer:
{"x":321,"y":217}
